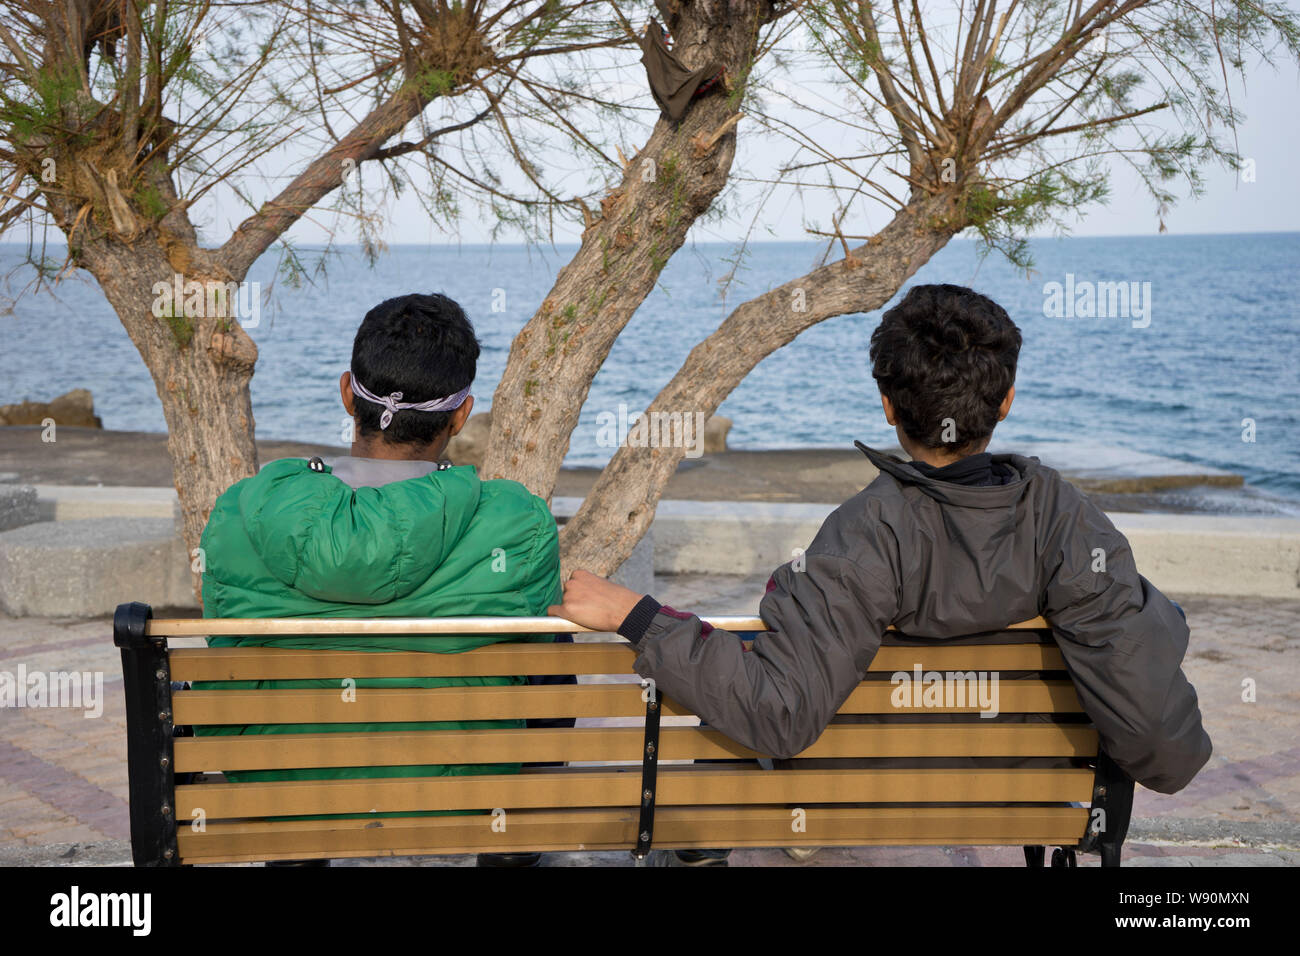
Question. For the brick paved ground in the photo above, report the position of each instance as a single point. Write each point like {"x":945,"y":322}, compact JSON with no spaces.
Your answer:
{"x":63,"y":786}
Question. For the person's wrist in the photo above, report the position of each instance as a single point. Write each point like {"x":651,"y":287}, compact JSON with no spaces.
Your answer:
{"x":638,"y":619}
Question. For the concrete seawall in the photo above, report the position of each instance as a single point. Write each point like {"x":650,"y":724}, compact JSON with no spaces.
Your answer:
{"x":1185,"y":554}
{"x":97,"y":547}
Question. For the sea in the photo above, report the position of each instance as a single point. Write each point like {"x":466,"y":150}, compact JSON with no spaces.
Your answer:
{"x":1185,"y":347}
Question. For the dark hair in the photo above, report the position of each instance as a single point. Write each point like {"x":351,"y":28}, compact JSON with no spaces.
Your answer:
{"x":945,"y":352}
{"x":422,"y":346}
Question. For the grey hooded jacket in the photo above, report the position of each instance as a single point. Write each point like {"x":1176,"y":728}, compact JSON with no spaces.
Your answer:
{"x":942,"y":560}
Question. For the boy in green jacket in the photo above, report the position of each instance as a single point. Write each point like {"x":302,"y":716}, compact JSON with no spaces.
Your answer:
{"x":392,"y":531}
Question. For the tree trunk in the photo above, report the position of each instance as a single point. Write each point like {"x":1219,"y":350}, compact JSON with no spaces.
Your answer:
{"x":619,"y":508}
{"x":665,"y":187}
{"x":201,"y":364}
{"x":201,"y":367}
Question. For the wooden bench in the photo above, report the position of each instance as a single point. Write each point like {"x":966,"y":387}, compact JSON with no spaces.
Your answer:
{"x":934,"y":775}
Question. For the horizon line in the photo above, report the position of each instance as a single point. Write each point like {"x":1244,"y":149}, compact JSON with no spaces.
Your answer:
{"x":753,"y":242}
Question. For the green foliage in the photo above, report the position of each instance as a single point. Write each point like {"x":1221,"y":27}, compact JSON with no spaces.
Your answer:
{"x":557,"y":335}
{"x":149,"y":200}
{"x":1151,"y":89}
{"x":39,"y":111}
{"x":431,"y":83}
{"x":1003,"y":219}
{"x":182,"y":328}
{"x":669,"y":169}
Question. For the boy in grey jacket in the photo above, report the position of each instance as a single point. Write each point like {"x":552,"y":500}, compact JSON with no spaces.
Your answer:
{"x":953,"y":542}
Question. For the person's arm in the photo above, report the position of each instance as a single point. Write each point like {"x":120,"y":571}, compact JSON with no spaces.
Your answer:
{"x":1123,"y":643}
{"x":825,"y":624}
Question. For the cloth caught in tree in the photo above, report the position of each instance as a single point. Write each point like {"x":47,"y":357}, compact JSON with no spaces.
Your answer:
{"x":671,"y":83}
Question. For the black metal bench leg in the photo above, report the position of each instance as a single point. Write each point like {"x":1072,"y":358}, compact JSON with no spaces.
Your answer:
{"x":1112,"y":807}
{"x":1035,"y":855}
{"x":1063,"y":857}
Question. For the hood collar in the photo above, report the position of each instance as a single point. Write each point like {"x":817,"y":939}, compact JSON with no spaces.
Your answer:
{"x":963,"y":496}
{"x":366,"y":545}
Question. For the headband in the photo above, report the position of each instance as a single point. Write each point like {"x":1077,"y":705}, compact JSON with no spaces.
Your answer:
{"x":392,"y":403}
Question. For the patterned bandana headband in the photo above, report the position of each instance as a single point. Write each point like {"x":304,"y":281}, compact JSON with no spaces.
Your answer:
{"x":393,"y":403}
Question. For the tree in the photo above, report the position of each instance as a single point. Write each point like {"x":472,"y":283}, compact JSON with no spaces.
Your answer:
{"x":119,"y":115}
{"x":996,"y":124}
{"x":665,"y":187}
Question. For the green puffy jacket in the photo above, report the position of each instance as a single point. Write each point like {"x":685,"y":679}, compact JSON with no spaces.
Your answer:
{"x":292,"y":542}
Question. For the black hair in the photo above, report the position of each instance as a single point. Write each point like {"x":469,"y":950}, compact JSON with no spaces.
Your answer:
{"x":945,"y":353}
{"x":422,"y":346}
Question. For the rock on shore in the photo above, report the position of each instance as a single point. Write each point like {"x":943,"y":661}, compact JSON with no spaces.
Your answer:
{"x":75,"y":409}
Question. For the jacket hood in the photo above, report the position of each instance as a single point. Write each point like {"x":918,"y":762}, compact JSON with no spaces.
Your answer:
{"x":964,"y":496}
{"x":319,"y":536}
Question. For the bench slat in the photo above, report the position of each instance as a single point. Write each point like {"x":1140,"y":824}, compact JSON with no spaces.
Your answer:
{"x":392,"y":705}
{"x":677,"y":786}
{"x":675,"y":827}
{"x":495,"y":660}
{"x":601,"y":744}
{"x":499,"y":660}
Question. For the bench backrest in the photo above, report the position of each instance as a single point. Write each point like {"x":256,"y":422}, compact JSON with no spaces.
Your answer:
{"x":908,"y":760}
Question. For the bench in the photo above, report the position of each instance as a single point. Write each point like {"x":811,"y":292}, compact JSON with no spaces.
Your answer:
{"x":922,"y":775}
